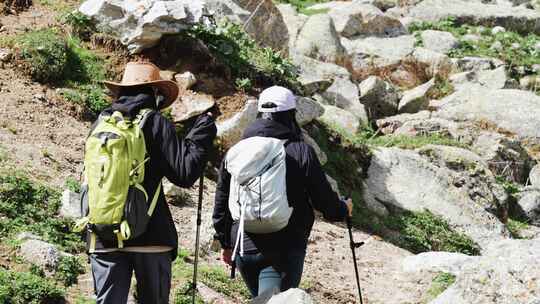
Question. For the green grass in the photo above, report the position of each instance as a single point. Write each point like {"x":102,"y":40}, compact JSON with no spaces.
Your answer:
{"x":424,"y":231}
{"x":302,"y":5}
{"x":440,"y":283}
{"x":84,"y":300}
{"x":262,"y":66}
{"x":28,"y":206}
{"x":525,"y":55}
{"x":51,"y":57}
{"x":214,"y":277}
{"x":515,"y":226}
{"x":28,"y":288}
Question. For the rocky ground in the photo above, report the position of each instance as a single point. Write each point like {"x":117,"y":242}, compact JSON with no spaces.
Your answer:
{"x":443,"y":94}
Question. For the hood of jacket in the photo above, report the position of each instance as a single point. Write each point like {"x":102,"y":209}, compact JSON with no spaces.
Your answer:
{"x":268,"y":128}
{"x":131,"y":105}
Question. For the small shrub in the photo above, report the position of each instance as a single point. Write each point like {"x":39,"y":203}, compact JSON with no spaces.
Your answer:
{"x":72,"y":184}
{"x":68,"y":269}
{"x":515,"y":227}
{"x":424,"y":231}
{"x":440,"y":283}
{"x":25,"y":206}
{"x":44,"y":54}
{"x":80,"y":24}
{"x":24,"y":287}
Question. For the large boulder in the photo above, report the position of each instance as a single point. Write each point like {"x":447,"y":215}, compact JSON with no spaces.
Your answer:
{"x":357,"y":18}
{"x":534,"y":176}
{"x":307,"y":110}
{"x":492,"y":79}
{"x":528,"y":205}
{"x":71,"y":205}
{"x":506,"y":273}
{"x":505,"y":156}
{"x":141,"y":24}
{"x":293,"y":21}
{"x":466,"y":64}
{"x":447,"y":188}
{"x":318,"y":39}
{"x":518,"y":19}
{"x":436,"y":63}
{"x":317,"y":76}
{"x":340,"y":118}
{"x":230,"y":130}
{"x":513,"y":111}
{"x":439,"y":41}
{"x":380,"y":50}
{"x":42,"y":254}
{"x":416,"y":99}
{"x":380,"y":98}
{"x":344,"y":94}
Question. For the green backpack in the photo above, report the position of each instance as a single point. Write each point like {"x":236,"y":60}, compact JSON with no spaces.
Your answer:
{"x":115,"y":203}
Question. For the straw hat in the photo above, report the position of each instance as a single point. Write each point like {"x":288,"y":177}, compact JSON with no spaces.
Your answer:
{"x":145,"y":73}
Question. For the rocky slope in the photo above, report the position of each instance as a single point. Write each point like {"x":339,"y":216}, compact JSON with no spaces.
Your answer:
{"x":425,"y":112}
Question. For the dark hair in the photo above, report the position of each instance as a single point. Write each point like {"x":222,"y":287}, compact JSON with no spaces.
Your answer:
{"x":286,"y":118}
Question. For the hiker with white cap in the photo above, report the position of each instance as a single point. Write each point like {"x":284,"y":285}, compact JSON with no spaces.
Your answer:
{"x":269,"y":185}
{"x":130,"y":149}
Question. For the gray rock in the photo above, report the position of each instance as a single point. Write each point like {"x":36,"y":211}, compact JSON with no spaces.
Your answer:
{"x":5,"y":55}
{"x":512,"y":110}
{"x":393,"y":179}
{"x":340,"y":118}
{"x":507,"y":273}
{"x":185,"y":80}
{"x":293,"y":21}
{"x":529,"y":205}
{"x":449,"y":262}
{"x":318,"y":39}
{"x":191,"y":105}
{"x":476,"y":63}
{"x":497,"y":29}
{"x":530,"y":82}
{"x":505,"y":156}
{"x":291,"y":296}
{"x":379,"y":97}
{"x":358,"y":18}
{"x":437,"y":63}
{"x":230,"y":131}
{"x":534,"y":176}
{"x":307,"y":110}
{"x":71,"y":205}
{"x":474,"y":12}
{"x":416,"y":100}
{"x":40,"y":253}
{"x":438,"y":41}
{"x":389,"y":50}
{"x":24,"y":236}
{"x":492,"y":79}
{"x":316,"y":76}
{"x":344,"y":94}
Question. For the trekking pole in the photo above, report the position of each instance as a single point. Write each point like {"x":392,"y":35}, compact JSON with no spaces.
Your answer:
{"x":353,"y":249}
{"x":199,"y":221}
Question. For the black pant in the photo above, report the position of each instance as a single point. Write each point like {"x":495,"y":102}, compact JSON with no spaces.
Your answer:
{"x":112,"y":276}
{"x":259,"y":275}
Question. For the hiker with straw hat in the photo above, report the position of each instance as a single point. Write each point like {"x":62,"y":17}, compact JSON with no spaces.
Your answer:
{"x":137,"y":232}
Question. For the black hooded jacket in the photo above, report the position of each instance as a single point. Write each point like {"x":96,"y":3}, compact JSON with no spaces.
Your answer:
{"x":181,"y":161}
{"x":307,"y":189}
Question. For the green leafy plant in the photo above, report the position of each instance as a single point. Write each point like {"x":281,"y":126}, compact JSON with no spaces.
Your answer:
{"x":68,"y":269}
{"x":26,"y":206}
{"x":424,"y":231}
{"x":440,"y":283}
{"x":302,"y":5}
{"x":80,"y":24}
{"x":72,"y":184}
{"x":28,"y":288}
{"x":233,"y":47}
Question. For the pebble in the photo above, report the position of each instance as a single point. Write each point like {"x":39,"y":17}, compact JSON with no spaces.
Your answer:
{"x":498,"y":29}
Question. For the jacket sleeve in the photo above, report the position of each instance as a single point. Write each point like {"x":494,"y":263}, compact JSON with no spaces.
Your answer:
{"x":222,"y":216}
{"x":183,"y":160}
{"x":322,"y":197}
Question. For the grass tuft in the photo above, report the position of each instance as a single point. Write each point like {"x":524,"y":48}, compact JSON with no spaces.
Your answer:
{"x":440,"y":283}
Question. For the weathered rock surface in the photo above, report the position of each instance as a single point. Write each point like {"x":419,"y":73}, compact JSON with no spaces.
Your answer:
{"x":344,"y":94}
{"x":358,"y":18}
{"x":439,"y":41}
{"x":512,"y":110}
{"x":379,"y":97}
{"x":291,"y":296}
{"x":436,"y":63}
{"x":475,"y":12}
{"x":394,"y":176}
{"x":307,"y":110}
{"x":476,"y":63}
{"x":506,"y":273}
{"x":185,"y":80}
{"x":71,"y":205}
{"x":529,"y":205}
{"x":230,"y":131}
{"x":317,"y":76}
{"x":318,"y":39}
{"x":40,"y":253}
{"x":492,"y":79}
{"x":504,"y":156}
{"x":415,"y":100}
{"x":293,"y":21}
{"x":340,"y":118}
{"x":534,"y":176}
{"x":191,"y":105}
{"x":389,"y":50}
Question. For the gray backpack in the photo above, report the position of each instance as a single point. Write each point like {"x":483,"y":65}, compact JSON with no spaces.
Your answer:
{"x":258,"y":190}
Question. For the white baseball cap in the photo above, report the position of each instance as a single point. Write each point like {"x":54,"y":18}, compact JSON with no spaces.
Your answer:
{"x":283,"y":98}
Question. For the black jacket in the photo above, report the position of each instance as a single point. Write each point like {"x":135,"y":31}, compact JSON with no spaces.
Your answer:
{"x":307,"y":188}
{"x":181,"y":161}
